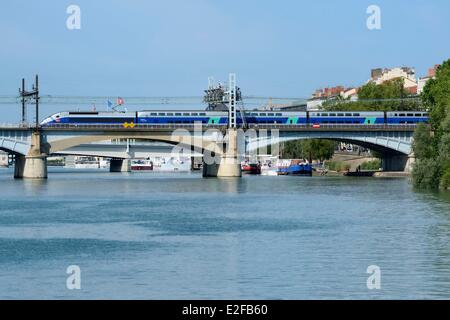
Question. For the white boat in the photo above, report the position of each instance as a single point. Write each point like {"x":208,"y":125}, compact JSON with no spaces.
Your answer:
{"x":86,"y":162}
{"x":141,"y":165}
{"x":269,"y":170}
{"x":172,"y":164}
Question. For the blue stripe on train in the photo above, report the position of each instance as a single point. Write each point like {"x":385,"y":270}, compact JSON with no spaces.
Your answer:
{"x":403,"y":120}
{"x":343,"y":120}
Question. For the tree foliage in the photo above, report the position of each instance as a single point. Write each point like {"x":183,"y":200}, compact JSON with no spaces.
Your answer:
{"x":436,"y":95}
{"x":316,"y":149}
{"x":423,"y":142}
{"x":388,"y":96}
{"x":371,"y":165}
{"x":432,"y":145}
{"x":387,"y":90}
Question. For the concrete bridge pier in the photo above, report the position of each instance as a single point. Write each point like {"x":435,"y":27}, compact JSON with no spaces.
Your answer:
{"x":398,"y":163}
{"x":228,"y":164}
{"x":34,"y":164}
{"x":120,"y":165}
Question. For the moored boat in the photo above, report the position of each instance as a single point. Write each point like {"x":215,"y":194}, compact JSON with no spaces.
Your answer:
{"x":251,"y":168}
{"x":296,"y":168}
{"x":141,"y":165}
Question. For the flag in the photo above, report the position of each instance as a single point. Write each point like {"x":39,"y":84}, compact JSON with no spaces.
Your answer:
{"x":120,"y":101}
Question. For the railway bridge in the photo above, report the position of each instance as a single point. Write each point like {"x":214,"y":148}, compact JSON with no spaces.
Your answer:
{"x":221,"y":146}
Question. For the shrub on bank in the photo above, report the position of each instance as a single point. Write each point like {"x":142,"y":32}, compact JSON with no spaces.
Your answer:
{"x":371,"y":165}
{"x":337,"y":166}
{"x":427,"y":173}
{"x":445,"y":180}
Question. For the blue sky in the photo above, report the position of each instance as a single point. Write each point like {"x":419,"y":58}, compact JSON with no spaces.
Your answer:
{"x":169,"y":48}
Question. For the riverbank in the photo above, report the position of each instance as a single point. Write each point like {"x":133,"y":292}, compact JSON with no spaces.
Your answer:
{"x":374,"y":174}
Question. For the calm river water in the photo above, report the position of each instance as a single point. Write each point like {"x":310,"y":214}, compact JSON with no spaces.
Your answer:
{"x":178,"y":236}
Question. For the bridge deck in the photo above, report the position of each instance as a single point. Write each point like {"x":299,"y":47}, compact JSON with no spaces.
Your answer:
{"x":191,"y":127}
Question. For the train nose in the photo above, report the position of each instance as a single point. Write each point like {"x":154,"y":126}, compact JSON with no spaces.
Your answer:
{"x":46,"y":121}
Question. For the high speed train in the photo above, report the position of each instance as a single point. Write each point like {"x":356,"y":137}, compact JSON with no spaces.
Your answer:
{"x":221,"y":117}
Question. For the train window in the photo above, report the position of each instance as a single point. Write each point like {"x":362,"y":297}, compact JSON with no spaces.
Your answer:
{"x":178,"y":114}
{"x":356,"y":114}
{"x":161,"y":114}
{"x":410,"y":115}
{"x":324,"y":121}
{"x":324,"y":114}
{"x":418,"y":115}
{"x":194,"y":114}
{"x":262,"y":114}
{"x":153,"y":114}
{"x":401,"y":115}
{"x":202,"y":114}
{"x":396,"y":114}
{"x":279,"y":114}
{"x":186,"y":114}
{"x":348,"y":114}
{"x":340,"y":114}
{"x":170,"y":114}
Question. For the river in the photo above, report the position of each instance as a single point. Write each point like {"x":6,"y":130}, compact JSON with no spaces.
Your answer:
{"x":179,"y":236}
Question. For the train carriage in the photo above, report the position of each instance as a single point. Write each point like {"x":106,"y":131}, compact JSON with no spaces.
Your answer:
{"x":406,"y":117}
{"x":275,"y":117}
{"x":90,"y":117}
{"x":182,"y":116}
{"x":346,"y":117}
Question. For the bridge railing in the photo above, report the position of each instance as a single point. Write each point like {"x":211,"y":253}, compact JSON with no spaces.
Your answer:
{"x":128,"y":127}
{"x":15,"y":125}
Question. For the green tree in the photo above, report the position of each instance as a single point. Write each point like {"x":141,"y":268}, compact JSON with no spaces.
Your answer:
{"x":371,"y":98}
{"x":432,"y":145}
{"x":423,"y":142}
{"x":314,"y":149}
{"x":436,"y":95}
